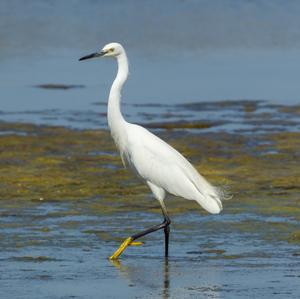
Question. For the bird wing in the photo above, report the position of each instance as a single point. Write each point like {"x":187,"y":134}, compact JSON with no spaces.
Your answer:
{"x":157,"y":162}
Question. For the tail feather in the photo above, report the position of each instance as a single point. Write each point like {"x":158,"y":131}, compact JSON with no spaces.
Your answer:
{"x":211,"y":203}
{"x":208,"y":196}
{"x":211,"y":200}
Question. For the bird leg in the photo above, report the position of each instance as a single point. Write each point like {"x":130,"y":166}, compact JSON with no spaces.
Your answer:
{"x":122,"y":247}
{"x":130,"y":240}
{"x":167,"y":233}
{"x":167,"y":228}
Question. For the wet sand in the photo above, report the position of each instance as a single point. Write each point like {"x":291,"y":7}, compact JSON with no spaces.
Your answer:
{"x":67,"y":203}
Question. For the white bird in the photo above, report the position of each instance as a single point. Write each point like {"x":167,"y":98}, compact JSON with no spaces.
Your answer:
{"x":158,"y":164}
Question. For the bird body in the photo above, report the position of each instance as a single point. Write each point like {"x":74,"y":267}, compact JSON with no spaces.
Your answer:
{"x":153,"y":160}
{"x":159,"y":164}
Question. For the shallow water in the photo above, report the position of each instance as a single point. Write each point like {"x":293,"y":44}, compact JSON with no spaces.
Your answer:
{"x":73,"y":204}
{"x":180,"y":51}
{"x":60,"y":250}
{"x":65,"y":201}
{"x":226,"y":116}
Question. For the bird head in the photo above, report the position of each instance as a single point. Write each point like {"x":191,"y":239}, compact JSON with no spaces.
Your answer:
{"x":109,"y":50}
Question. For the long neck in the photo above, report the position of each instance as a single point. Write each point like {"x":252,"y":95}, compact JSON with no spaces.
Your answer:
{"x":115,"y":118}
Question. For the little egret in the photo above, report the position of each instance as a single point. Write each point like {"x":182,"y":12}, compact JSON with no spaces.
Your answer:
{"x":158,"y":164}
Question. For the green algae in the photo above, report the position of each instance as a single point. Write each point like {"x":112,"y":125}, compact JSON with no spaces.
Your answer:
{"x":102,"y":235}
{"x":294,"y":237}
{"x":290,"y":109}
{"x":181,"y":125}
{"x":215,"y":251}
{"x":43,"y":229}
{"x":35,"y":259}
{"x":55,"y":164}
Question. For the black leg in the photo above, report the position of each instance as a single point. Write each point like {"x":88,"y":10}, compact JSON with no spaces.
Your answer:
{"x":152,"y":229}
{"x":166,"y":229}
{"x":167,"y":233}
{"x":164,"y":225}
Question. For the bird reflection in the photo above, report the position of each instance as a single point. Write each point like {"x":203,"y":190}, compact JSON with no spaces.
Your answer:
{"x":136,"y":275}
{"x":166,"y":287}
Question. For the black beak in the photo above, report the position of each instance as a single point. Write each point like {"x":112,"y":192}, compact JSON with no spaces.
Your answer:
{"x":97,"y":54}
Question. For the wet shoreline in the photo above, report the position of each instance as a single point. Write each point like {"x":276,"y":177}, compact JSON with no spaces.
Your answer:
{"x":239,"y":117}
{"x":67,"y":202}
{"x":218,"y":81}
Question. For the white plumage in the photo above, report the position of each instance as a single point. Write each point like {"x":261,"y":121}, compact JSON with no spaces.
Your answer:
{"x":151,"y":158}
{"x":162,"y":167}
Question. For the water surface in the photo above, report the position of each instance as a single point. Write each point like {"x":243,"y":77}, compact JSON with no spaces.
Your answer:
{"x":59,"y":250}
{"x":216,"y":79}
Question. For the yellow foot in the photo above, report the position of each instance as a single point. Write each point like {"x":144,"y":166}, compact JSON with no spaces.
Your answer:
{"x":116,"y":263}
{"x":136,"y":243}
{"x":122,"y":247}
{"x":127,"y":242}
